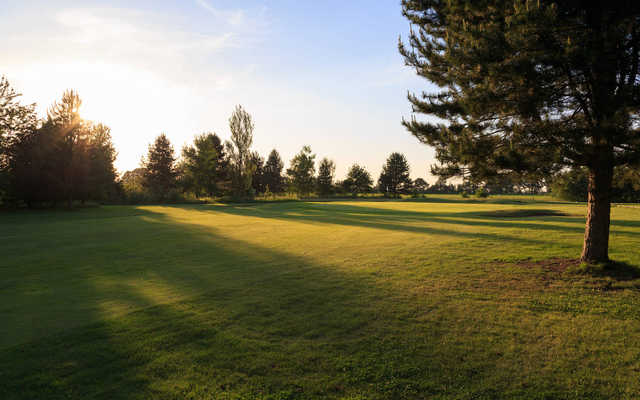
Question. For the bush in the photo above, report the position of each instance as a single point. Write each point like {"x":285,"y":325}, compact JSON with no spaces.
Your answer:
{"x":482,"y":193}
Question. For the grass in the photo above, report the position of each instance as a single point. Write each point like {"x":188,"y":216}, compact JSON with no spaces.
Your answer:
{"x":366,"y":299}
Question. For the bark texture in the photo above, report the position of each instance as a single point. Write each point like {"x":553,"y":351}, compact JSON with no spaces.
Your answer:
{"x":596,"y":235}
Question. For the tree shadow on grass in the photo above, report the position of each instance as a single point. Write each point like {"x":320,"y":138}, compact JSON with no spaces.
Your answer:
{"x":259,"y":322}
{"x":264,"y":322}
{"x":615,"y":270}
{"x":390,"y":219}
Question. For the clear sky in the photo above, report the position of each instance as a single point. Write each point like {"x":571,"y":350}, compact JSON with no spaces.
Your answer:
{"x":320,"y":73}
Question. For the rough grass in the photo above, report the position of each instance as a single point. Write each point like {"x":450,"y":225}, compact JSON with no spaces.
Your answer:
{"x":436,"y":298}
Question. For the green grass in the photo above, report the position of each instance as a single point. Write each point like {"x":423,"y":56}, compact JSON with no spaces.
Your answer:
{"x":292,"y":300}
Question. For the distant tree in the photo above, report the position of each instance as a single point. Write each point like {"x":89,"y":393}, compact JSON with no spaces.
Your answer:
{"x":17,"y":124}
{"x":326,"y":172}
{"x":571,"y":185}
{"x":358,"y":180}
{"x":65,"y":158}
{"x":272,"y":174}
{"x":70,"y":136}
{"x":239,"y":150}
{"x":502,"y":184}
{"x":302,"y":171}
{"x":529,"y":85}
{"x":160,"y":173}
{"x":257,"y":179}
{"x":133,"y":180}
{"x":420,"y":185}
{"x":102,"y":155}
{"x":394,"y":178}
{"x":203,"y":167}
{"x":442,"y":187}
{"x":626,"y":184}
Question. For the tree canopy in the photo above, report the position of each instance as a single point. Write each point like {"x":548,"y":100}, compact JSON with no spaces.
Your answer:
{"x":203,"y":167}
{"x":358,"y":180}
{"x":394,"y":178}
{"x":326,"y":172}
{"x":272,"y":173}
{"x":239,"y":151}
{"x":302,"y":171}
{"x":159,"y":165}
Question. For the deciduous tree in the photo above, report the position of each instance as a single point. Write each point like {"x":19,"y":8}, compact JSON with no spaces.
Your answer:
{"x":239,"y":150}
{"x":203,"y":167}
{"x":302,"y":171}
{"x":17,"y":122}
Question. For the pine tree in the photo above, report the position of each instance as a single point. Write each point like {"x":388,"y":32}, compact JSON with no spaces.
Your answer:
{"x":159,"y":169}
{"x":272,"y":174}
{"x":527,"y":85}
{"x":257,"y":178}
{"x":394,"y":178}
{"x":326,"y":172}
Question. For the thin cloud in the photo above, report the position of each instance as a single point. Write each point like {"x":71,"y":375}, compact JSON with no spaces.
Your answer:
{"x":251,"y":23}
{"x":233,"y":17}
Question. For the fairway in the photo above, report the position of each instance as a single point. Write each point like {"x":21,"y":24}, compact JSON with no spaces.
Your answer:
{"x":433,"y":298}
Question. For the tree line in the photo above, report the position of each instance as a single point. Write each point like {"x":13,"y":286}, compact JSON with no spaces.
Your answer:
{"x":209,"y":167}
{"x":63,"y":159}
{"x":59,"y":159}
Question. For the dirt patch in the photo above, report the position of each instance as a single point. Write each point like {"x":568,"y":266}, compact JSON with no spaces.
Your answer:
{"x":556,"y":264}
{"x":523,"y":213}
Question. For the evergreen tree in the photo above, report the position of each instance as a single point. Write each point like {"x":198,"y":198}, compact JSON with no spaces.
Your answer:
{"x":272,"y":174}
{"x":528,"y":85}
{"x":239,"y":150}
{"x":326,"y":172}
{"x":257,"y":179}
{"x":159,"y":168}
{"x":394,"y":178}
{"x":302,"y":171}
{"x":358,"y":180}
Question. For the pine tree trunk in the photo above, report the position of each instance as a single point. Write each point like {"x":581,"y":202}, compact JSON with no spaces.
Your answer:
{"x":596,"y":235}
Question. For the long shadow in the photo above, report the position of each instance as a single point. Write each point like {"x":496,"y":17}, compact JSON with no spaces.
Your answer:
{"x":388,"y":219}
{"x":260,"y":323}
{"x":255,"y":322}
{"x":383,"y":218}
{"x":360,"y":217}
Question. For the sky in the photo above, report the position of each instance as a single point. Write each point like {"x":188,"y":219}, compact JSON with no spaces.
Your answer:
{"x":321,"y":73}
